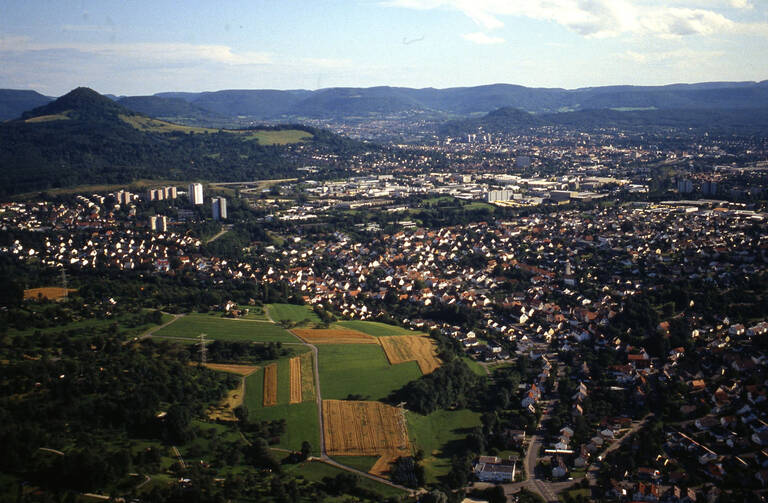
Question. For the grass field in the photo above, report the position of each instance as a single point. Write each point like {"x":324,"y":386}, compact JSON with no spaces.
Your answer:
{"x":264,"y":137}
{"x":48,"y":118}
{"x":362,"y":463}
{"x":440,"y":435}
{"x":285,"y":137}
{"x":334,"y":336}
{"x":475,"y":367}
{"x":315,"y":471}
{"x":291,"y":312}
{"x":361,"y":369}
{"x":375,"y":328}
{"x":215,"y":328}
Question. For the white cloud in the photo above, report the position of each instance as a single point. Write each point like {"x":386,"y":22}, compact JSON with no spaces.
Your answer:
{"x":675,"y":56}
{"x":146,"y":51}
{"x":601,"y":18}
{"x":741,"y":4}
{"x":482,"y":38}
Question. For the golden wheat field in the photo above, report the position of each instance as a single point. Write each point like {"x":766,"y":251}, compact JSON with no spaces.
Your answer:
{"x":357,"y":428}
{"x":406,"y":348}
{"x":334,"y":336}
{"x":295,"y":366}
{"x":270,"y":385}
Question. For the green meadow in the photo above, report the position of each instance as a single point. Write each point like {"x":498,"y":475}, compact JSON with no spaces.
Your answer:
{"x":361,"y":369}
{"x":440,"y":435}
{"x":291,"y":312}
{"x":216,"y":328}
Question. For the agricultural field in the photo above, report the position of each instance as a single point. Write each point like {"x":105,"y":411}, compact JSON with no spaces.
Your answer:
{"x":216,"y":328}
{"x":355,"y":428}
{"x":418,"y":348}
{"x":224,"y":411}
{"x":291,"y":312}
{"x":295,"y":364}
{"x":242,"y":370}
{"x":270,"y":385}
{"x":263,"y":136}
{"x":440,"y":435}
{"x":307,"y":377}
{"x":284,"y":137}
{"x":374,"y":328}
{"x":361,"y":369}
{"x":334,"y":336}
{"x":48,"y":292}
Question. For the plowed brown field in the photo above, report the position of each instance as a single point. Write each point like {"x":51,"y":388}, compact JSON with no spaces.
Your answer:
{"x":406,"y":348}
{"x":270,"y":385}
{"x":353,"y":428}
{"x":295,"y":364}
{"x":334,"y":336}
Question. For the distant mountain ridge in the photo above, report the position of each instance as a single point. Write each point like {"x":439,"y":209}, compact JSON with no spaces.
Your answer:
{"x":349,"y":102}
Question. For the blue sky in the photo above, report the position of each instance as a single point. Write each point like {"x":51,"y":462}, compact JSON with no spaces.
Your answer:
{"x":142,"y":47}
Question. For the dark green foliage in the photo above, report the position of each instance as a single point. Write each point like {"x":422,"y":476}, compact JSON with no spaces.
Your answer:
{"x":452,"y":385}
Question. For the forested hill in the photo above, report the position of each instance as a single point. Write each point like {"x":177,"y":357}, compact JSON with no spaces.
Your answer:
{"x":356,"y":102}
{"x":86,"y":138}
{"x":510,"y":120}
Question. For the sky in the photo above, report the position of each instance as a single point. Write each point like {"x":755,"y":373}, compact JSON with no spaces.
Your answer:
{"x":137,"y":47}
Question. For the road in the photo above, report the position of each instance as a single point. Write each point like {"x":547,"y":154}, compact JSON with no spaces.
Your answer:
{"x":223,"y":231}
{"x":148,"y":333}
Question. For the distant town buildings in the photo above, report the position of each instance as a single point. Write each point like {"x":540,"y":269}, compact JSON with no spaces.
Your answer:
{"x":158,"y":223}
{"x":162,"y":193}
{"x":124,"y":197}
{"x":196,"y":193}
{"x":684,"y":186}
{"x":219,"y":208}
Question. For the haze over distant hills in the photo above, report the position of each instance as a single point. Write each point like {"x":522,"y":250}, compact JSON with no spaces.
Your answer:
{"x":340,"y":103}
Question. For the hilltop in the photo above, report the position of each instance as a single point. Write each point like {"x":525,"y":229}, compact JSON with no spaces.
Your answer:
{"x":85,"y":137}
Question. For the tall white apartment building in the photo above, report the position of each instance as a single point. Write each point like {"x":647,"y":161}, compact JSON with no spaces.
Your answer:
{"x":219,"y":208}
{"x":196,"y":193}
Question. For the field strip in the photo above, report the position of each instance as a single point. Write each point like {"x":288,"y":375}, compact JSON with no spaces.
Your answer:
{"x":333,"y":336}
{"x":270,"y":385}
{"x":295,"y":364}
{"x":243,"y":370}
{"x":406,"y":348}
{"x":307,"y":377}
